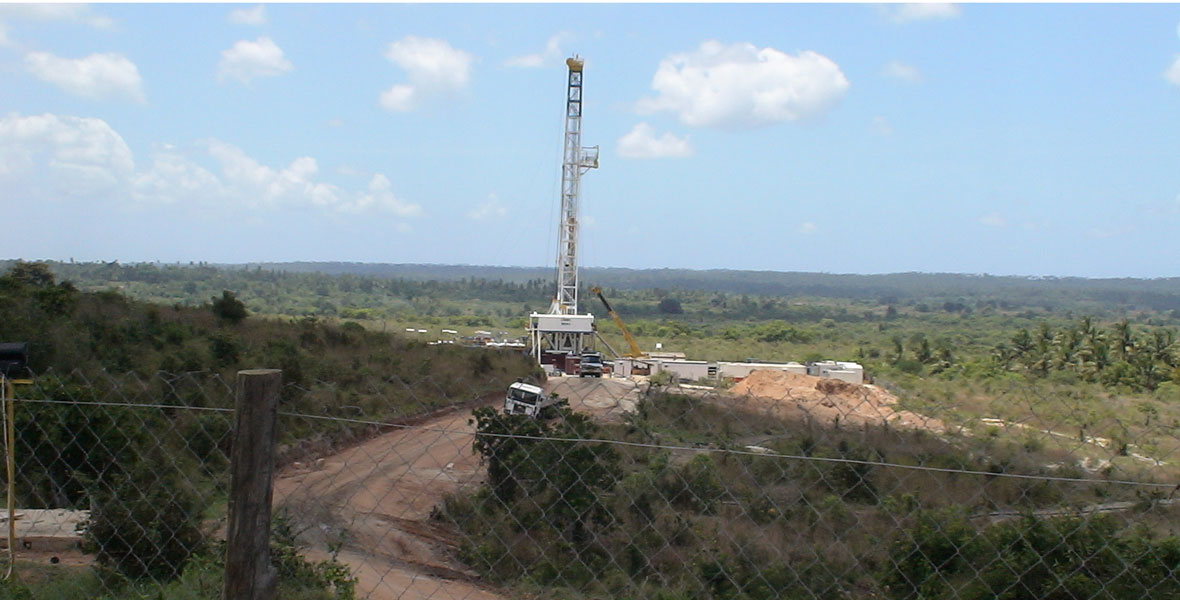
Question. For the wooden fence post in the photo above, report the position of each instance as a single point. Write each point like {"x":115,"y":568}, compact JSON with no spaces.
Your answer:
{"x":249,"y":574}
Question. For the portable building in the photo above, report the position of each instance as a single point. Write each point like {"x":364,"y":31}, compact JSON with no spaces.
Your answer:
{"x":686,"y":370}
{"x":833,"y":369}
{"x":741,"y":370}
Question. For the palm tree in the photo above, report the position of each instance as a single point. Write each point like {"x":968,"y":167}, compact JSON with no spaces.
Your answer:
{"x":1124,"y":342}
{"x":1161,"y":346}
{"x":1043,"y":356}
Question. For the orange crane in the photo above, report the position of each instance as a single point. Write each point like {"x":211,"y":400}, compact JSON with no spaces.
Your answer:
{"x":635,"y":351}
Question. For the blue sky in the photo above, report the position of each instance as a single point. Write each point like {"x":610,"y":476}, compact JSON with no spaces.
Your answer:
{"x":1004,"y":139}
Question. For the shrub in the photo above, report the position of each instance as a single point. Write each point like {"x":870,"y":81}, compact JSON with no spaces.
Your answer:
{"x":228,"y":308}
{"x":146,"y":522}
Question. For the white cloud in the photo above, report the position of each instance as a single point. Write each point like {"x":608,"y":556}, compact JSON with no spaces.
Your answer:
{"x":900,"y":71}
{"x":4,"y":39}
{"x":491,"y":208}
{"x":267,"y":187}
{"x":247,"y":60}
{"x":174,"y":178}
{"x":50,"y":157}
{"x":882,"y":127}
{"x":433,"y":66}
{"x":993,"y":220}
{"x":1172,"y":74}
{"x":921,"y":11}
{"x":380,"y":197}
{"x":551,"y":53}
{"x":74,"y":13}
{"x":399,"y":98}
{"x":808,"y":228}
{"x":75,"y":155}
{"x":641,"y":142}
{"x":742,"y":86}
{"x":248,"y":16}
{"x":97,"y":76}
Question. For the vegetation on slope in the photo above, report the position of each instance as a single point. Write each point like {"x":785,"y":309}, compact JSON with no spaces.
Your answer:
{"x":154,"y":479}
{"x":837,"y":515}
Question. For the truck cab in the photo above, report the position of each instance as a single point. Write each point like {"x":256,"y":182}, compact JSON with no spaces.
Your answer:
{"x":591,"y":365}
{"x":526,"y":399}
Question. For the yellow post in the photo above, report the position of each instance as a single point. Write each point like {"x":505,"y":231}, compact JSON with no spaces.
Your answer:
{"x":9,"y":451}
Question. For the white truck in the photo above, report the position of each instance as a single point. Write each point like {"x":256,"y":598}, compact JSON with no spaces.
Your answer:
{"x":527,"y":399}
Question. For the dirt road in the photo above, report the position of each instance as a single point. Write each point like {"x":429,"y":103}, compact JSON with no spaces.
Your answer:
{"x":373,"y":502}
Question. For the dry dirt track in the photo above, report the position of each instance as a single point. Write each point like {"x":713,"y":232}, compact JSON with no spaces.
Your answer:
{"x":374,"y":500}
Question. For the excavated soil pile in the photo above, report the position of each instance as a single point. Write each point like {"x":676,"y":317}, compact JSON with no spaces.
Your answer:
{"x":794,"y":396}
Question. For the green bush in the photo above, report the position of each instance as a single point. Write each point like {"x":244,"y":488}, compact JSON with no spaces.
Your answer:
{"x":145,"y":522}
{"x":944,"y":556}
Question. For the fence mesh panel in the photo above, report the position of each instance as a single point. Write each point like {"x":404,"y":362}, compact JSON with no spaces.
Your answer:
{"x":781,"y":486}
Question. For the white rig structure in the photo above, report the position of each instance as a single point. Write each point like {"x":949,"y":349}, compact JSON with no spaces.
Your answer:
{"x":562,"y":329}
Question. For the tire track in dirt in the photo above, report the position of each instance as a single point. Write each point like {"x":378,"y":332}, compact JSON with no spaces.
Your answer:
{"x":372,"y":503}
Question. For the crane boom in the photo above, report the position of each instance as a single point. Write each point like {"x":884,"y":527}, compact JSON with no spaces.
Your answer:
{"x":635,"y":351}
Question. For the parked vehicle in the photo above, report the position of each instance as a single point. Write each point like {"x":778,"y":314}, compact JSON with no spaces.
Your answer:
{"x":527,"y":399}
{"x":591,"y":365}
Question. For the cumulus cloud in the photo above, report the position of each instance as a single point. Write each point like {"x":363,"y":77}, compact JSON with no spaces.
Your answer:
{"x":742,"y":86}
{"x":4,"y":39}
{"x":97,"y":76}
{"x":642,"y":142}
{"x":551,"y":54}
{"x":882,"y":127}
{"x":77,"y":155}
{"x":380,"y":197}
{"x":174,"y":178}
{"x":491,"y":208}
{"x":248,"y":60}
{"x":73,"y":13}
{"x":924,"y":11}
{"x":249,"y":16}
{"x":900,"y":71}
{"x":1172,"y":74}
{"x":433,"y":66}
{"x":399,"y":98}
{"x":49,"y":157}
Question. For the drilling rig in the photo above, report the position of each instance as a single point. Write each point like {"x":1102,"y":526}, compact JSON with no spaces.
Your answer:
{"x":563,"y":329}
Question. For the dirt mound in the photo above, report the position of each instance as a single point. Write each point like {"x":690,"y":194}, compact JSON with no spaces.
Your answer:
{"x":791,"y":395}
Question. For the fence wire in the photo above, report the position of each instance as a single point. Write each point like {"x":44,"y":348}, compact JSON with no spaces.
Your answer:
{"x":779,"y":486}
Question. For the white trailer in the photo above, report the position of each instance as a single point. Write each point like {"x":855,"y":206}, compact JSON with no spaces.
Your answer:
{"x":741,"y":370}
{"x":834,"y":369}
{"x":685,"y":370}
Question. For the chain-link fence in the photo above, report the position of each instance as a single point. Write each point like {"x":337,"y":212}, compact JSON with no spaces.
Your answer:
{"x":777,"y":486}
